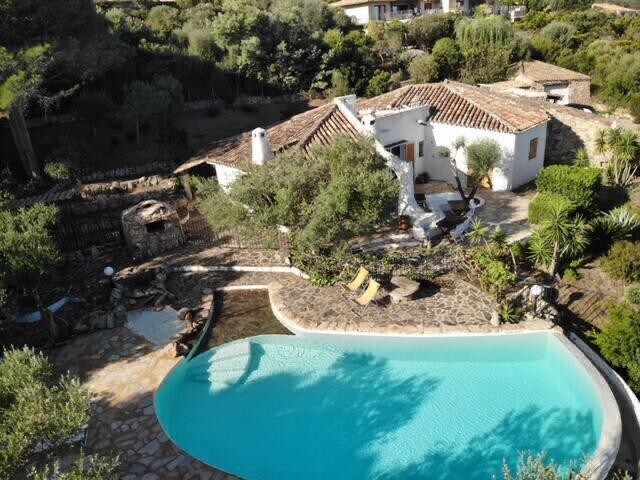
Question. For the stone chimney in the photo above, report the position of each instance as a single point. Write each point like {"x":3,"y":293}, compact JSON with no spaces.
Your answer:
{"x":261,"y":152}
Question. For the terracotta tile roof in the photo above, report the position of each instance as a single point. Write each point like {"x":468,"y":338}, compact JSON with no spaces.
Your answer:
{"x":462,"y":105}
{"x":317,"y":126}
{"x":542,"y":72}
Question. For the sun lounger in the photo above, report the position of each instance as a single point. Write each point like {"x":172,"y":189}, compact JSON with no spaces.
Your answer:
{"x":358,"y":281}
{"x":369,"y":294}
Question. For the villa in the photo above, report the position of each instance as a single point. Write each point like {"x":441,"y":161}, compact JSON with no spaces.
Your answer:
{"x":549,"y":82}
{"x":414,"y":128}
{"x":363,"y":12}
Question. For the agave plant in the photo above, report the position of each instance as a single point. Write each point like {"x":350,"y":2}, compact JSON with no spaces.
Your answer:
{"x":618,"y":224}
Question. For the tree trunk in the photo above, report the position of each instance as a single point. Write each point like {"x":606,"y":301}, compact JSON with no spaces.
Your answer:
{"x":22,"y":140}
{"x":555,"y":259}
{"x":48,"y":322}
{"x":138,"y":133}
{"x":454,"y":170}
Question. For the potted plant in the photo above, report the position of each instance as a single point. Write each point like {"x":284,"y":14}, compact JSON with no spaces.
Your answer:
{"x":405,"y":222}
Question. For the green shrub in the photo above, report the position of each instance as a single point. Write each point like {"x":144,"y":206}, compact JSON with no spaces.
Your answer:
{"x":580,"y":185}
{"x":59,"y":171}
{"x":92,"y":467}
{"x":495,"y":274}
{"x":633,"y":295}
{"x":623,"y":261}
{"x":33,"y":408}
{"x":619,"y":341}
{"x":519,"y":251}
{"x":571,"y":275}
{"x":634,"y":106}
{"x":539,"y":207}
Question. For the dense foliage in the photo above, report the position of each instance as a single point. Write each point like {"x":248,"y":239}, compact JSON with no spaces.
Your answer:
{"x":540,"y":206}
{"x":326,"y":198}
{"x":35,"y":407}
{"x":27,"y":252}
{"x":590,"y":41}
{"x":579,"y":185}
{"x":623,"y":261}
{"x":619,"y":341}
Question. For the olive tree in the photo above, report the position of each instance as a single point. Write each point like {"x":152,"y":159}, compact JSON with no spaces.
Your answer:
{"x":28,"y":252}
{"x":482,"y":157}
{"x":36,"y":407}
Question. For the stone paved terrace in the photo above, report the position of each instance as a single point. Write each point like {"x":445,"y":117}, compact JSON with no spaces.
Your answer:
{"x":122,"y":370}
{"x":510,"y":210}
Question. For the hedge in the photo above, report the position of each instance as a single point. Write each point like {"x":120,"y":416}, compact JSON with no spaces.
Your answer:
{"x":623,"y":261}
{"x":540,"y":206}
{"x":578,"y":184}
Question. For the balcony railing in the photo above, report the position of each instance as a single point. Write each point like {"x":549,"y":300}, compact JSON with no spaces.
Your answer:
{"x":408,"y":14}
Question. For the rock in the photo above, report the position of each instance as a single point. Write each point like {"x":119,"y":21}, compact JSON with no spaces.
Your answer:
{"x":495,"y":319}
{"x":182,"y":313}
{"x":81,"y":327}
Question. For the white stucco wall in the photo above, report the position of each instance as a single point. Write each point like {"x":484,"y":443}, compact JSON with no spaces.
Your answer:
{"x":403,"y":125}
{"x":359,"y":15}
{"x":226,"y":175}
{"x":561,"y":90}
{"x":525,"y":170}
{"x":441,"y":135}
{"x":516,"y":169}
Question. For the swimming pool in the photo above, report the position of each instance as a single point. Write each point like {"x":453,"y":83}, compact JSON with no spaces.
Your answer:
{"x":350,"y":407}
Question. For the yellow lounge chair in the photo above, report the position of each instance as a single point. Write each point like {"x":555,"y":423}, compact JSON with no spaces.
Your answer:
{"x":359,"y":280}
{"x":369,"y":294}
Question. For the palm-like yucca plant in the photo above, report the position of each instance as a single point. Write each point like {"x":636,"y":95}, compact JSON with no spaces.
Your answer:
{"x":478,"y":232}
{"x":559,"y":236}
{"x":623,"y":149}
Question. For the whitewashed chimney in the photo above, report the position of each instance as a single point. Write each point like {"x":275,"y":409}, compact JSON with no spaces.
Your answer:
{"x":261,"y":152}
{"x":369,"y":122}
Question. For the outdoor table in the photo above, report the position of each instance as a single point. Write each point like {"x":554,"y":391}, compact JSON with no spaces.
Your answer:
{"x":458,"y":205}
{"x":402,"y":289}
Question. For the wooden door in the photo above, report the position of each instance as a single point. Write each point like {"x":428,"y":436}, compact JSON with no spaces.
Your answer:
{"x":411,"y":152}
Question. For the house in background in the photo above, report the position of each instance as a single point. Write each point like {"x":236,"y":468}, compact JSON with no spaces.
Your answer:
{"x":363,"y":12}
{"x":543,"y":80}
{"x":413,"y":128}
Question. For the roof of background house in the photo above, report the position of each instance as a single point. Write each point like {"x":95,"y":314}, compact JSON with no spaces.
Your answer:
{"x":317,"y":126}
{"x":614,"y":8}
{"x":463,"y":105}
{"x":542,"y":72}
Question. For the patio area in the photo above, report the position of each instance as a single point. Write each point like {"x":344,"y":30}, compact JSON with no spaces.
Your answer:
{"x":509,"y":210}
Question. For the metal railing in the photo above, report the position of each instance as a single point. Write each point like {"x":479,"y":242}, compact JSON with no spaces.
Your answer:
{"x":408,"y":14}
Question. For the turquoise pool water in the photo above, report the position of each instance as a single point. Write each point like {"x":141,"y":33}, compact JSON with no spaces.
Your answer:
{"x":281,"y":408}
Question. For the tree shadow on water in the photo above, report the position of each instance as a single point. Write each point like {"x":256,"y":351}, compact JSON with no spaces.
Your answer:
{"x":565,"y":434}
{"x":326,"y":426}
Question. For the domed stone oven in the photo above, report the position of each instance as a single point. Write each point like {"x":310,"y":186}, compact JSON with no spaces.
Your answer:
{"x":151,"y":227}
